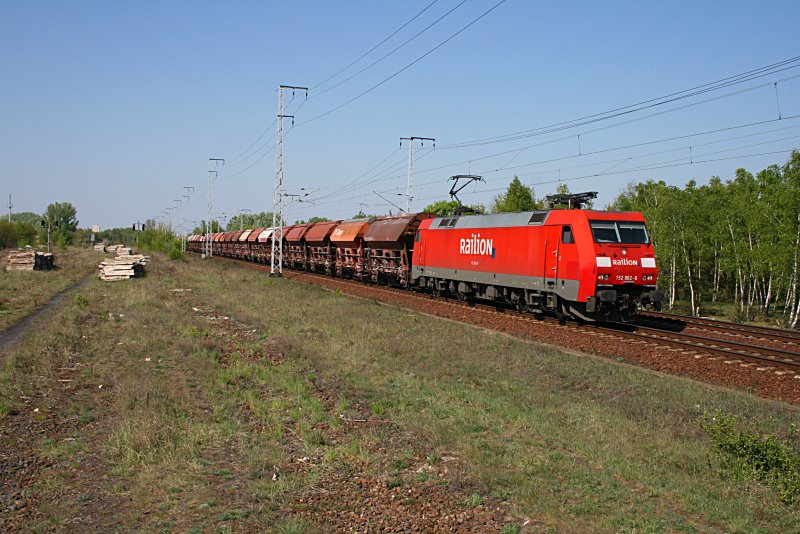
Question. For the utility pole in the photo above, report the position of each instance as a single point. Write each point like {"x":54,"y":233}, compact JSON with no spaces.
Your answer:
{"x":241,"y":219}
{"x":178,"y":211}
{"x":189,"y":191}
{"x":10,"y":205}
{"x":213,"y":163}
{"x":276,"y":264}
{"x":410,"y":189}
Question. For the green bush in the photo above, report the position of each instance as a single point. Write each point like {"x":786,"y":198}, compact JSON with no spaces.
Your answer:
{"x":16,"y":234}
{"x":769,"y":459}
{"x":175,"y":251}
{"x":160,"y":240}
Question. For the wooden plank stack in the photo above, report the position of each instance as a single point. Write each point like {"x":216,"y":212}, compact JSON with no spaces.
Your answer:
{"x":27,"y":259}
{"x":123,"y":266}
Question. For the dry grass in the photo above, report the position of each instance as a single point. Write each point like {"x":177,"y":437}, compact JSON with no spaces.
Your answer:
{"x":22,"y":292}
{"x":189,"y":440}
{"x":576,"y":442}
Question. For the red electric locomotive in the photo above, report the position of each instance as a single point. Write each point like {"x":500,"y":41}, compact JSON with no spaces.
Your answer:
{"x":591,"y":265}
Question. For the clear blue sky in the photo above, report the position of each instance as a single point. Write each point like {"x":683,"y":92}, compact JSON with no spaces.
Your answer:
{"x":115,"y":106}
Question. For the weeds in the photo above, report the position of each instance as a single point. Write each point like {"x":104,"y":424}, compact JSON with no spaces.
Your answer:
{"x":769,"y":459}
{"x":58,"y":450}
{"x":473,"y":500}
{"x":399,"y":464}
{"x":158,"y":440}
{"x":6,"y":408}
{"x":294,"y":526}
{"x":195,"y":332}
{"x":231,"y":515}
{"x":395,"y":482}
{"x":275,"y":492}
{"x":81,"y":301}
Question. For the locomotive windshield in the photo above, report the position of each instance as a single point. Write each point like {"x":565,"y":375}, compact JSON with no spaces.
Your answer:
{"x":625,"y":232}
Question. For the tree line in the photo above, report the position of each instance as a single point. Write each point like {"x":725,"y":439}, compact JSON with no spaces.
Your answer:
{"x":735,"y":240}
{"x":28,"y":228}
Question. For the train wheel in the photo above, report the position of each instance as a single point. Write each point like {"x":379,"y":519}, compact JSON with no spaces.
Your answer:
{"x":523,"y":306}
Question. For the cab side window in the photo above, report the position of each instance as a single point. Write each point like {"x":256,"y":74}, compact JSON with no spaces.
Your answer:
{"x":566,"y":235}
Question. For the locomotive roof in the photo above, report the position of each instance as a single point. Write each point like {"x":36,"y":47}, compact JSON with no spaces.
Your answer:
{"x":520,"y":218}
{"x":493,"y":220}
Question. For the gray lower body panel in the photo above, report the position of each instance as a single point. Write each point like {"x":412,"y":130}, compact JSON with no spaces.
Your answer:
{"x":566,"y":289}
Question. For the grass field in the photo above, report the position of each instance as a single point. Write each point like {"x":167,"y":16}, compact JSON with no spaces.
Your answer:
{"x":251,"y":403}
{"x":22,"y":292}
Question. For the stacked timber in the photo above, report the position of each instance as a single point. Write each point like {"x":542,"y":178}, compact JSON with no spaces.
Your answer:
{"x":119,"y":250}
{"x":100,"y":247}
{"x":123,"y":267}
{"x":27,"y":259}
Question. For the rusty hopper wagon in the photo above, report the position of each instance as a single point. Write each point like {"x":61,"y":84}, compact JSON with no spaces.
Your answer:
{"x":348,"y":239}
{"x":252,"y":244}
{"x":295,"y":254}
{"x":243,"y":251}
{"x":389,"y":243}
{"x":320,"y":252}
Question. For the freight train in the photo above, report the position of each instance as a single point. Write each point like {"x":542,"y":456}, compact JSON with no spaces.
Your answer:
{"x":584,"y":264}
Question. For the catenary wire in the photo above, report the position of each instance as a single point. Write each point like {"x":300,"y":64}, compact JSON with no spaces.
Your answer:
{"x":693,"y":91}
{"x":420,"y":58}
{"x":398,"y":47}
{"x":368,"y":52}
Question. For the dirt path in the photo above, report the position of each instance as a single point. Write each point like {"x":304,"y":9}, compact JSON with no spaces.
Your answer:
{"x":15,"y":332}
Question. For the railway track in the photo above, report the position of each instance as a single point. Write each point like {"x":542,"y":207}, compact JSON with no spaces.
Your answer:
{"x":750,"y":332}
{"x":746,"y":355}
{"x":731,"y":352}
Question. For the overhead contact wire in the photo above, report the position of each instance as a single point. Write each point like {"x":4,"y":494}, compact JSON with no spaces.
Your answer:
{"x":426,"y":54}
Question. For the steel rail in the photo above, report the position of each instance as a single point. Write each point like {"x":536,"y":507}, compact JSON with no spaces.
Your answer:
{"x":774,"y":357}
{"x":766,"y":332}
